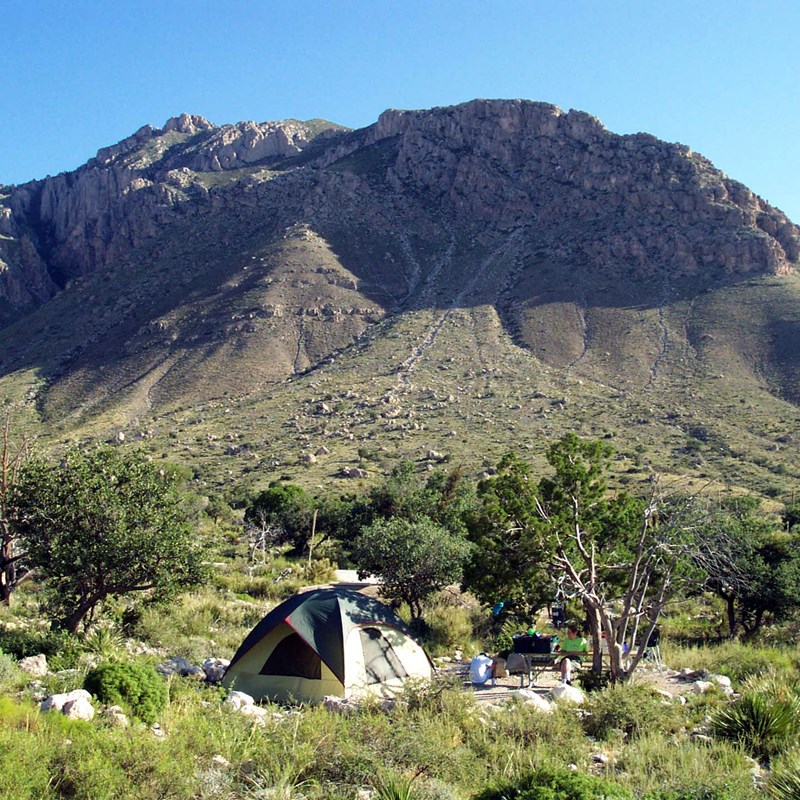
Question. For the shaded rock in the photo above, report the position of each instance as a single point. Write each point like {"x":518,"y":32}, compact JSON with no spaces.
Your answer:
{"x":116,"y":716}
{"x":353,"y":472}
{"x":337,"y":705}
{"x":214,"y":669}
{"x":182,"y":667}
{"x":79,"y":708}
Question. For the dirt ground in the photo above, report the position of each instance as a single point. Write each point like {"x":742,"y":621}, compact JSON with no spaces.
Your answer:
{"x":664,"y":680}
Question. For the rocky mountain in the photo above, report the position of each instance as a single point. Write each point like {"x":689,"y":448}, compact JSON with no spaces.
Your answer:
{"x":498,"y":250}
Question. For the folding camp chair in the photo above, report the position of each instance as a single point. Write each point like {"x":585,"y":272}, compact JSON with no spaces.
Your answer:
{"x":653,"y":652}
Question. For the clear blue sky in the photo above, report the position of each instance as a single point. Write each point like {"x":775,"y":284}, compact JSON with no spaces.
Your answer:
{"x":722,"y":77}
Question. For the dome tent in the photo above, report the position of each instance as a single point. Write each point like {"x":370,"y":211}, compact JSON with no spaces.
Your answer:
{"x":327,"y":642}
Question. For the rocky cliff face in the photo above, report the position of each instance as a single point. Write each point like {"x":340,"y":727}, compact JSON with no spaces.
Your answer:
{"x":314,"y":233}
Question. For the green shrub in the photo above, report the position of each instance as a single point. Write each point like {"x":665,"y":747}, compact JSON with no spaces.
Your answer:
{"x":8,"y":670}
{"x":61,"y":648}
{"x":138,"y":687}
{"x":546,"y":784}
{"x":765,"y":719}
{"x":591,"y":681}
{"x":632,"y":709}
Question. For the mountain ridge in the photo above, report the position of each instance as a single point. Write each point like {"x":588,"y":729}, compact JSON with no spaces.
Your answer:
{"x":195,"y":264}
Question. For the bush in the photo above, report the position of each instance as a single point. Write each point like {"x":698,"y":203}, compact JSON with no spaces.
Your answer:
{"x":24,"y":642}
{"x":545,"y":784}
{"x":591,"y":681}
{"x":765,"y":719}
{"x":8,"y":670}
{"x":632,"y":709}
{"x":137,"y":687}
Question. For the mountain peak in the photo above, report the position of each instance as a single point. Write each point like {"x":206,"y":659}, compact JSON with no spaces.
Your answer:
{"x":187,"y":123}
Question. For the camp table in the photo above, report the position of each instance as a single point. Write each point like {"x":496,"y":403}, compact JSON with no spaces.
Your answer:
{"x":536,"y":664}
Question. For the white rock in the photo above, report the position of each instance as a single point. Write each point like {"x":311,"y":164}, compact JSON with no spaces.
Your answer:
{"x":531,"y":698}
{"x":239,"y":700}
{"x":56,"y":702}
{"x":721,"y":680}
{"x":34,"y":665}
{"x":220,"y":762}
{"x":570,"y":694}
{"x":255,"y":713}
{"x":701,"y":687}
{"x":79,"y":708}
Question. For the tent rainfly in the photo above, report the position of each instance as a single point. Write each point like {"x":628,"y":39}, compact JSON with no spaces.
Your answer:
{"x":327,"y":642}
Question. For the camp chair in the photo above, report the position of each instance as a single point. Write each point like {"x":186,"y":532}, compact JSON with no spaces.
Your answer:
{"x":653,"y":652}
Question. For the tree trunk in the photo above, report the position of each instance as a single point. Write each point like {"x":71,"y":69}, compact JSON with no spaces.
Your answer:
{"x":73,"y":620}
{"x":731,"y":611}
{"x":5,"y":587}
{"x":595,"y":629}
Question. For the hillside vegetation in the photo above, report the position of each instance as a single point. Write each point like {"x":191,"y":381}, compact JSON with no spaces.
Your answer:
{"x":294,"y":299}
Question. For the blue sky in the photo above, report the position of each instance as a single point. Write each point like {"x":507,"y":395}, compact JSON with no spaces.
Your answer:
{"x":722,"y":77}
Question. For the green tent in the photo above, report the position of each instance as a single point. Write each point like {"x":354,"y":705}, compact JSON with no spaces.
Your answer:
{"x":327,"y":642}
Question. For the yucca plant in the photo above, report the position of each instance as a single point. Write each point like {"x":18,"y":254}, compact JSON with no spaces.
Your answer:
{"x":765,"y":719}
{"x":391,"y":787}
{"x":105,"y":643}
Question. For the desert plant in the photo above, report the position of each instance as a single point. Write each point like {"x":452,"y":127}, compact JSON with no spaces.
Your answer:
{"x":105,"y":643}
{"x":391,"y":787}
{"x":137,"y":687}
{"x":765,"y":719}
{"x":557,"y":784}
